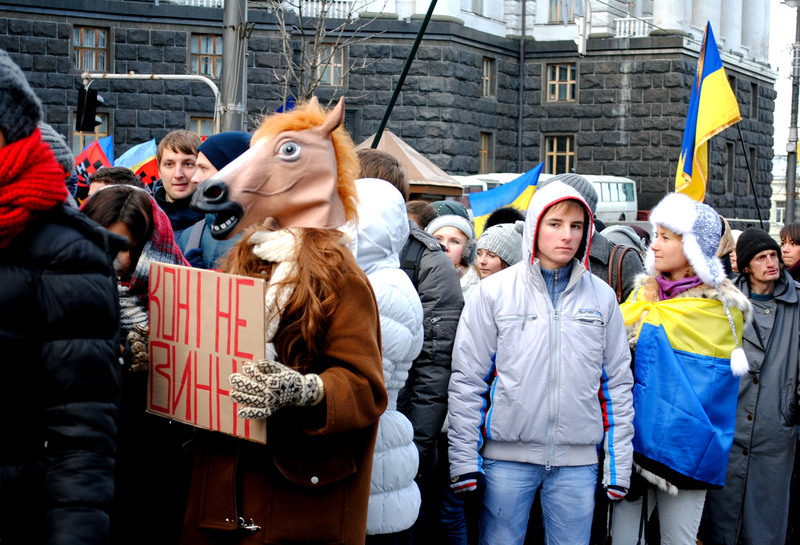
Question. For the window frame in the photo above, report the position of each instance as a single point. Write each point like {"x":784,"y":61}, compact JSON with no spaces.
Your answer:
{"x":326,"y":63}
{"x":554,"y":13}
{"x":196,"y":124}
{"x":199,"y":56}
{"x":570,"y":85}
{"x":551,"y":153}
{"x":730,"y":166}
{"x":489,"y":77}
{"x":80,"y":49}
{"x":486,"y":152}
{"x":754,"y":100}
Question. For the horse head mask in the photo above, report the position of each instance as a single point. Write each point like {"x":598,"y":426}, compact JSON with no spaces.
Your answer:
{"x":300,"y":171}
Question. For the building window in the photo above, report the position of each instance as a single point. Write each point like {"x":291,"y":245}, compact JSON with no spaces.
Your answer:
{"x":487,"y":152}
{"x":753,"y":101}
{"x":561,"y":82}
{"x":330,"y":65}
{"x":780,"y":211}
{"x":206,"y":55}
{"x":555,"y":12}
{"x":82,"y":139}
{"x":729,"y":167}
{"x":489,"y":77}
{"x":203,"y":126}
{"x":753,"y":168}
{"x":89,"y":48}
{"x":559,"y":154}
{"x":732,"y":83}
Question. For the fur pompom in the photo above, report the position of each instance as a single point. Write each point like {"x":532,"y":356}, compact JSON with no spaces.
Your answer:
{"x":739,"y":365}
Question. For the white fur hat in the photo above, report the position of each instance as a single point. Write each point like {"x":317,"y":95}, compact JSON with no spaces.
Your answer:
{"x":700,"y":227}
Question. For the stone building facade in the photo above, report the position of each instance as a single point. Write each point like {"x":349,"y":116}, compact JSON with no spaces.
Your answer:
{"x":620,"y":109}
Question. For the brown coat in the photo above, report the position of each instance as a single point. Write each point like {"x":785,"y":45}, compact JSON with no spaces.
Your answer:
{"x":310,"y":483}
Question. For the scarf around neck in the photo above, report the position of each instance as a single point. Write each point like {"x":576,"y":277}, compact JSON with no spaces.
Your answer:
{"x":667,"y":289}
{"x":31,"y":182}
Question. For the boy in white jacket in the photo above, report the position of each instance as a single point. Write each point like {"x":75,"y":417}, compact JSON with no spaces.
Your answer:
{"x":544,"y":342}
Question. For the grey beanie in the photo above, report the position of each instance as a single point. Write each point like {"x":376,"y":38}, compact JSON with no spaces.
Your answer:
{"x":20,"y":109}
{"x":446,"y":208}
{"x":580,"y":184}
{"x":59,"y":146}
{"x":451,"y":220}
{"x":504,"y":240}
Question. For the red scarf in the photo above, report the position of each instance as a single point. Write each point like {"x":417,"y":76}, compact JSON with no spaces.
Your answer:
{"x":31,"y":181}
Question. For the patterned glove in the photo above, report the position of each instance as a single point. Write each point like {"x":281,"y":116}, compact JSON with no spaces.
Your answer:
{"x":265,"y":386}
{"x":616,"y":493}
{"x":468,"y":482}
{"x":137,"y":341}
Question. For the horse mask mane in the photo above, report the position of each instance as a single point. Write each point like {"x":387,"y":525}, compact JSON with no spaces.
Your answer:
{"x":300,"y":171}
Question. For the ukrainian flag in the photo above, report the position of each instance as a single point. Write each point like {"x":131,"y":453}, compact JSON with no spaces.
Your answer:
{"x":516,"y":193}
{"x":712,"y":109}
{"x":684,"y":395}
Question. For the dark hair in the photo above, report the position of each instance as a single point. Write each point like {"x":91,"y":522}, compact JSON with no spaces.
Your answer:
{"x":126,"y":204}
{"x":791,"y":231}
{"x":116,"y":176}
{"x":504,"y":214}
{"x":421,"y":212}
{"x":179,"y":141}
{"x":379,"y":164}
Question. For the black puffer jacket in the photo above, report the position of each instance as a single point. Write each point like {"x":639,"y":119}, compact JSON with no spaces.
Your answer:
{"x":59,"y":323}
{"x":424,"y":398}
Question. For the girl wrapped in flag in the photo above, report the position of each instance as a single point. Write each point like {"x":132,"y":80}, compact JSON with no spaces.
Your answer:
{"x":685,"y":322}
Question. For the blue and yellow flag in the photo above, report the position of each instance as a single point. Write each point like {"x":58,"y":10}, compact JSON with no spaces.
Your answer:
{"x":684,"y":395}
{"x":712,"y":109}
{"x":516,"y":193}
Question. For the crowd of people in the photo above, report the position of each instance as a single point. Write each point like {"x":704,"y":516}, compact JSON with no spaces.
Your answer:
{"x":543,"y":380}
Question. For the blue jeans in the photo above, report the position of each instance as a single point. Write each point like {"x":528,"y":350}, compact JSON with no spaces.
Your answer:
{"x":567,"y":502}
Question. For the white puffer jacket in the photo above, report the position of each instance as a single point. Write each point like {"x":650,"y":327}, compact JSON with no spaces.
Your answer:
{"x":382,"y":231}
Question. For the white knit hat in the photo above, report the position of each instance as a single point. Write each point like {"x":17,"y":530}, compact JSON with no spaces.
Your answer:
{"x":701,"y":229}
{"x":504,"y":240}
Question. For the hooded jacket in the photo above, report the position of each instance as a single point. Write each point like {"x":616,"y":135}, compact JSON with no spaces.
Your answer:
{"x":382,"y":232}
{"x":557,"y":377}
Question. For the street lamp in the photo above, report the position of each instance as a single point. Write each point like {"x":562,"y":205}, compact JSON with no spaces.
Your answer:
{"x":791,"y":146}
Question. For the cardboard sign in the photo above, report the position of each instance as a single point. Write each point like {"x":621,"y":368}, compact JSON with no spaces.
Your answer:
{"x":203,"y":326}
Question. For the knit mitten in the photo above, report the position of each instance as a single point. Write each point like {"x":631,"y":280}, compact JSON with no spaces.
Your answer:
{"x":265,"y":386}
{"x":137,"y":341}
{"x":468,"y":482}
{"x":616,"y":493}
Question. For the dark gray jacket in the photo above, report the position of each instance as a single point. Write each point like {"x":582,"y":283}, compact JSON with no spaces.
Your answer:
{"x":753,"y":507}
{"x":599,"y":255}
{"x":424,"y":398}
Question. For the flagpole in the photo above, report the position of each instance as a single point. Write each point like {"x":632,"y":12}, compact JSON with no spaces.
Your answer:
{"x":750,"y":175}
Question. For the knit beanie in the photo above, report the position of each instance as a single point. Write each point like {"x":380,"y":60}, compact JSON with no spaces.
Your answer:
{"x":446,"y":208}
{"x":451,"y":220}
{"x":59,"y":146}
{"x":504,"y":240}
{"x":751,"y":242}
{"x":20,"y":109}
{"x":221,"y":149}
{"x":579,"y":183}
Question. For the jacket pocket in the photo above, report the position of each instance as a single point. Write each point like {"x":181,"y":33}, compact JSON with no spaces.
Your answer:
{"x":789,"y":405}
{"x":314,"y":483}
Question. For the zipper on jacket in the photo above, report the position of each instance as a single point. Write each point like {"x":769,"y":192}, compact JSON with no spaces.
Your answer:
{"x":551,"y":425}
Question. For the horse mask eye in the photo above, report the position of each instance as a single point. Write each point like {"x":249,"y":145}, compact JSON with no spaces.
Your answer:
{"x":289,"y":151}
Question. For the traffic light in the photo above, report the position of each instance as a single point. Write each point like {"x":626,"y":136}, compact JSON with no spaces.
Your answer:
{"x":86,"y":117}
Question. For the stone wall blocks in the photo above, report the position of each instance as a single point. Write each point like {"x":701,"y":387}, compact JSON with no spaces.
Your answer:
{"x":133,"y":101}
{"x":591,"y":82}
{"x":9,"y":43}
{"x":163,"y":38}
{"x":138,"y":36}
{"x":166,"y":102}
{"x":120,"y":35}
{"x":656,"y":66}
{"x":151,"y":53}
{"x":631,"y":67}
{"x":44,"y":29}
{"x":124,"y":118}
{"x":60,"y":81}
{"x":140,"y":67}
{"x":126,"y":52}
{"x":607,"y":67}
{"x":604,"y":96}
{"x":176,"y":55}
{"x":52,"y":96}
{"x":200,"y":104}
{"x":150,"y":118}
{"x":20,"y":27}
{"x":44,"y":63}
{"x":615,"y":168}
